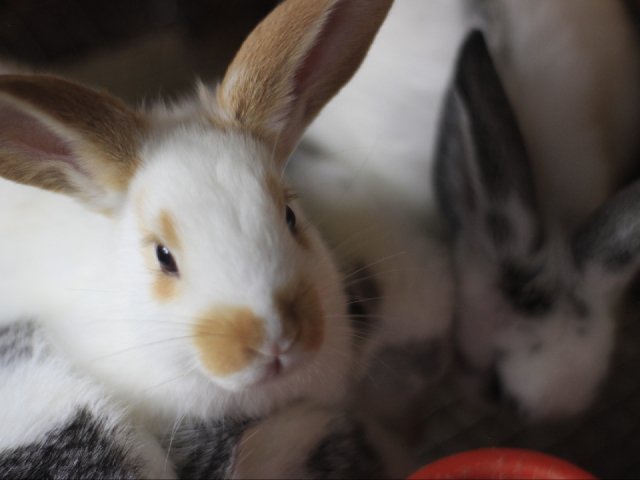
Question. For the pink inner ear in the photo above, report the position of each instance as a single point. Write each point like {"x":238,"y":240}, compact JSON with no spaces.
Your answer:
{"x":328,"y":45}
{"x":29,"y":136}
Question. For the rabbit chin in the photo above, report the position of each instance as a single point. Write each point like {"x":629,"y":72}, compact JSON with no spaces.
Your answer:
{"x":542,"y":368}
{"x":256,"y":391}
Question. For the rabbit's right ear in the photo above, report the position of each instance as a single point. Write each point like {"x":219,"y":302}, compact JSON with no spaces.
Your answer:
{"x":606,"y":247}
{"x":484,"y":185}
{"x":293,"y":63}
{"x":63,"y":137}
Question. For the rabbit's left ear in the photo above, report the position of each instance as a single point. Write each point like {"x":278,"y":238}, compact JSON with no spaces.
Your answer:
{"x":293,"y":63}
{"x":483,"y":178}
{"x":606,"y":247}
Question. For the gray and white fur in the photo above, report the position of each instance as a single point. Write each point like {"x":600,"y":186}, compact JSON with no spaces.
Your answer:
{"x":57,"y":423}
{"x":534,"y":326}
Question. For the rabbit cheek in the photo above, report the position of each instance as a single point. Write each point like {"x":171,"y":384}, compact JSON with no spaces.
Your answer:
{"x":227,"y":339}
{"x":301,"y":313}
{"x":164,"y":287}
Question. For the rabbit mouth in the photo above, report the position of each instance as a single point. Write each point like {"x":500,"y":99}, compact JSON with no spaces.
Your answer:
{"x":279,"y":367}
{"x":272,"y":371}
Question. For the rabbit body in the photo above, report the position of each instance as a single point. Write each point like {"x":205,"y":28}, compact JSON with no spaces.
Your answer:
{"x":381,"y":127}
{"x":534,"y":324}
{"x":58,"y":423}
{"x":571,"y":71}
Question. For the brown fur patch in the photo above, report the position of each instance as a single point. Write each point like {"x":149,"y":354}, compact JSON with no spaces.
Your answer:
{"x":276,"y":190}
{"x":282,"y":195}
{"x":164,"y":287}
{"x":227,"y":339}
{"x":301,"y":312}
{"x":168,"y":230}
{"x":98,"y":132}
{"x":302,"y":237}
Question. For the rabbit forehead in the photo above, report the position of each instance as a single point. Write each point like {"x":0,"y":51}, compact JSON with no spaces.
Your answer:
{"x":220,"y":208}
{"x":206,"y":179}
{"x":205,"y":159}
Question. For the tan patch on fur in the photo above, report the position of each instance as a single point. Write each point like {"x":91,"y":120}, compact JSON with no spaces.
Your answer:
{"x":282,"y":195}
{"x":227,"y":339}
{"x":168,"y":230}
{"x":301,"y":313}
{"x":276,"y":190}
{"x":303,"y":237}
{"x":164,"y":287}
{"x":97,"y":130}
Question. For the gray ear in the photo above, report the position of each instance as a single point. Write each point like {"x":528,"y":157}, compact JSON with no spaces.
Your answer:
{"x":483,"y":179}
{"x":610,"y":238}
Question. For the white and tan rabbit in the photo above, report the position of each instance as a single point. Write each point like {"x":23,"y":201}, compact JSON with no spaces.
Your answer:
{"x":162,"y":249}
{"x":534,"y":322}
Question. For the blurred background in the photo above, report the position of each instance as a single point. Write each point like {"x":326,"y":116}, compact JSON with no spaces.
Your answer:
{"x":141,"y":50}
{"x":137,"y":49}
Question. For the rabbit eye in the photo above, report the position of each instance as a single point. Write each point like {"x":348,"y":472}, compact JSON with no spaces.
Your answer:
{"x":291,"y":219}
{"x":166,"y":260}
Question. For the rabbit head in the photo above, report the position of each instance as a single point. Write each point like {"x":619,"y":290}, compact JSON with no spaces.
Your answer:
{"x":199,"y":284}
{"x":534,"y":326}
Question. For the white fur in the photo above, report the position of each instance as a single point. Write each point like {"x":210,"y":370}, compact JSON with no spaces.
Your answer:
{"x":41,"y":393}
{"x":382,"y":124}
{"x":548,"y":366}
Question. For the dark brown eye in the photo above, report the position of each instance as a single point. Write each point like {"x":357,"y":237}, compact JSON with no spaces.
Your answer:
{"x":291,"y":219}
{"x":166,"y":260}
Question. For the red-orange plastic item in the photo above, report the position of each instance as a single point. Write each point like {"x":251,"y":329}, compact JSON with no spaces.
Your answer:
{"x":500,"y":463}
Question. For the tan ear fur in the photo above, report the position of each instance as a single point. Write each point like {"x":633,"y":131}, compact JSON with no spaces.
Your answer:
{"x":293,"y":63}
{"x":86,"y":133}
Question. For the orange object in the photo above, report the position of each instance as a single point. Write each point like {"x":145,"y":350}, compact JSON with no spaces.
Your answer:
{"x":500,"y":463}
